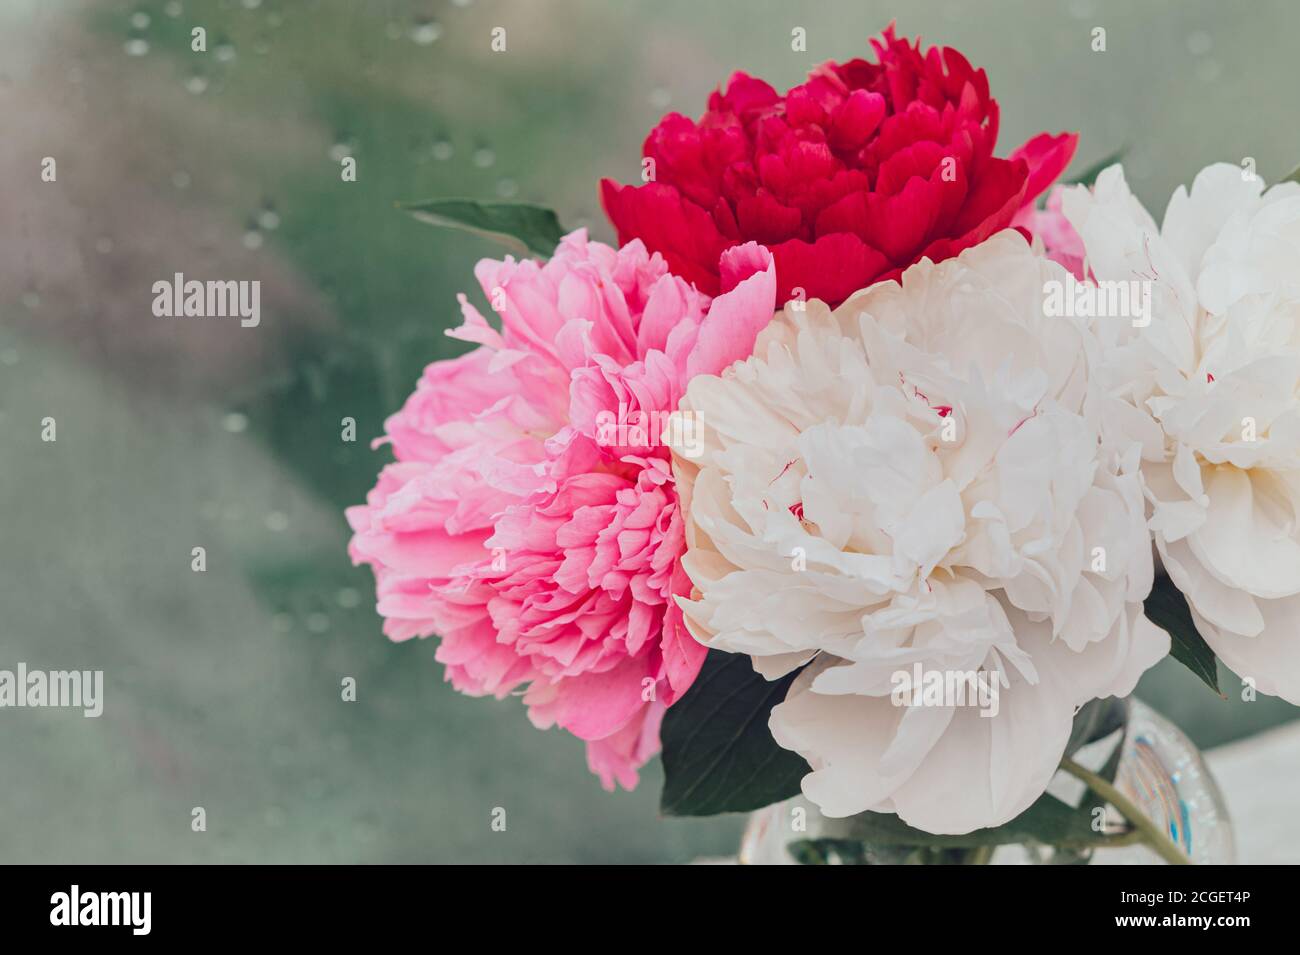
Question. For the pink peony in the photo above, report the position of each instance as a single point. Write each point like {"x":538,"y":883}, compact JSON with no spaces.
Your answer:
{"x":530,"y":518}
{"x":1061,"y":243}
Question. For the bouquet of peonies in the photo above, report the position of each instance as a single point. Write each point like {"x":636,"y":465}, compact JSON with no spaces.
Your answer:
{"x":871,"y":466}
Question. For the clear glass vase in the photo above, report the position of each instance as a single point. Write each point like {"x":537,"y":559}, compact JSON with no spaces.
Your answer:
{"x":1159,"y":770}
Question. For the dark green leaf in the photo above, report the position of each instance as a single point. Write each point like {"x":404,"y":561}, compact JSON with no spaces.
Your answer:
{"x":522,"y":226}
{"x":1292,"y":176}
{"x":1167,"y":608}
{"x":718,"y":753}
{"x":1089,"y":175}
{"x":1096,"y":720}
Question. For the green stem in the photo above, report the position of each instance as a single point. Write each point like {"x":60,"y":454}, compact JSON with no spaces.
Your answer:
{"x":1139,"y":820}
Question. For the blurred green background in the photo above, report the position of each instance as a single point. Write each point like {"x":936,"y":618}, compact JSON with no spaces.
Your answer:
{"x":222,"y":688}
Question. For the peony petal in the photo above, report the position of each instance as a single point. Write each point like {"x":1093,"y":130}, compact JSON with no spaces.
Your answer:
{"x":1047,"y":156}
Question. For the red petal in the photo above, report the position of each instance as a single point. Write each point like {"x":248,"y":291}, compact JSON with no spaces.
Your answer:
{"x":994,"y":198}
{"x":683,"y":233}
{"x":855,"y":120}
{"x":900,"y":225}
{"x":830,"y":269}
{"x":918,"y":159}
{"x":1047,"y":157}
{"x":765,"y":220}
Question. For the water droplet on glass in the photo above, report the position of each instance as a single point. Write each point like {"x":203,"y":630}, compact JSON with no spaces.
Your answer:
{"x":425,"y":32}
{"x":282,"y":622}
{"x":461,"y":3}
{"x":484,"y":157}
{"x":268,"y":219}
{"x":1082,"y":9}
{"x":140,"y":20}
{"x":234,"y":422}
{"x":196,"y":84}
{"x":277,"y":521}
{"x":341,"y":150}
{"x":253,"y":239}
{"x":1199,"y":43}
{"x":317,"y":623}
{"x":31,"y":301}
{"x":348,"y":598}
{"x":507,"y":188}
{"x":136,"y":46}
{"x":224,"y":51}
{"x":173,"y":8}
{"x":103,"y":245}
{"x":252,"y":4}
{"x":660,"y":97}
{"x":442,"y":149}
{"x":181,"y":179}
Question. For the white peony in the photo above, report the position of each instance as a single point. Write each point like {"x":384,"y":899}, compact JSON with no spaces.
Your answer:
{"x":1212,"y":390}
{"x":917,"y":477}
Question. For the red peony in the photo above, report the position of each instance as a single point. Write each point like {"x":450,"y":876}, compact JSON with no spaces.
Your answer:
{"x":847,"y":179}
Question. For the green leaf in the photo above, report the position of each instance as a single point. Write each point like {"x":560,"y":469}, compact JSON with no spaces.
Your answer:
{"x":1089,"y":175}
{"x":1292,"y":176}
{"x":718,"y":753}
{"x":1096,"y":720}
{"x":1167,"y":608}
{"x":522,"y":226}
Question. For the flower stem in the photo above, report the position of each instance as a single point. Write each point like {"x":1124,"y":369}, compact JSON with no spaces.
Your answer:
{"x":1151,"y":834}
